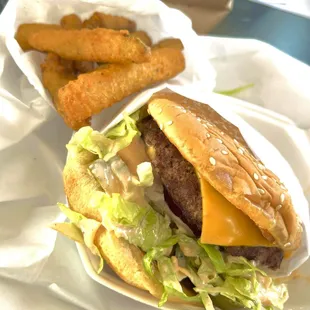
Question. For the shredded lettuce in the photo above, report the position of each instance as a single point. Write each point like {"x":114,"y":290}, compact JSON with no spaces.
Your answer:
{"x":73,"y":216}
{"x":207,"y":301}
{"x":145,"y":175}
{"x":171,"y":283}
{"x":70,"y":230}
{"x":215,"y":256}
{"x":105,"y":145}
{"x":87,"y":230}
{"x":88,"y":139}
{"x":121,"y":129}
{"x":240,"y":266}
{"x":140,"y":225}
{"x":213,"y":274}
{"x":235,"y":91}
{"x":156,"y":252}
{"x":242,"y":286}
{"x":190,"y":247}
{"x":207,"y":272}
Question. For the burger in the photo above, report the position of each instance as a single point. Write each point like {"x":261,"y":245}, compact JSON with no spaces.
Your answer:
{"x":174,"y":200}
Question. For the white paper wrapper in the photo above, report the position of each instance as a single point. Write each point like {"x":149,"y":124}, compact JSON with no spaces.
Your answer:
{"x":152,"y":16}
{"x":35,"y":272}
{"x":280,"y":81}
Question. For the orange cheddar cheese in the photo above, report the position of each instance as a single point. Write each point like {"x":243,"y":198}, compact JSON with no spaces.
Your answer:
{"x":225,"y":225}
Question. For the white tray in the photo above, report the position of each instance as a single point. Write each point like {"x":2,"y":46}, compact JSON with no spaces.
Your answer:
{"x":292,"y":143}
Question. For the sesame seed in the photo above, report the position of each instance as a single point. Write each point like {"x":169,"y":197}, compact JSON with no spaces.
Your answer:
{"x":209,"y":124}
{"x":212,"y":161}
{"x":161,"y":126}
{"x":256,"y":177}
{"x":261,"y":191}
{"x":283,"y":187}
{"x":264,"y":177}
{"x":198,"y":119}
{"x":224,"y":152}
{"x":240,"y":150}
{"x":278,"y":207}
{"x":160,"y":110}
{"x":286,"y":245}
{"x":260,"y":166}
{"x":222,"y":133}
{"x":282,"y":197}
{"x":204,"y":125}
{"x":220,"y":141}
{"x":236,"y":141}
{"x":169,"y":123}
{"x":208,"y":135}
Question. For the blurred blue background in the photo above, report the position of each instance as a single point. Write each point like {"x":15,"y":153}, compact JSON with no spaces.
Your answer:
{"x":286,"y":31}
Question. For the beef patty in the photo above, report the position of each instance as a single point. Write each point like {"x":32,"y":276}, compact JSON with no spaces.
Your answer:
{"x":182,"y":188}
{"x":182,"y":191}
{"x":270,"y":257}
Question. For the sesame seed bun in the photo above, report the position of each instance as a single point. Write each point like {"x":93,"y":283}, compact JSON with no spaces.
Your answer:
{"x":220,"y":154}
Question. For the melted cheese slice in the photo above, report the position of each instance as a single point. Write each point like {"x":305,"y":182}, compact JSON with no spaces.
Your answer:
{"x":223,"y":224}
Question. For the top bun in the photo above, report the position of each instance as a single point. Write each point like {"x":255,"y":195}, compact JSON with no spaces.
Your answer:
{"x":220,"y":154}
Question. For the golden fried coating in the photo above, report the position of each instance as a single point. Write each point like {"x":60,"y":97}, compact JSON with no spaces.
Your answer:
{"x":143,"y":36}
{"x":95,"y":91}
{"x":100,"y":45}
{"x":101,"y":20}
{"x":171,"y":42}
{"x":24,"y":31}
{"x":71,"y":21}
{"x":56,"y":73}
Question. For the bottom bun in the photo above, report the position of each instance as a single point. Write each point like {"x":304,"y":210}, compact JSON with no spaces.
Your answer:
{"x":126,"y":261}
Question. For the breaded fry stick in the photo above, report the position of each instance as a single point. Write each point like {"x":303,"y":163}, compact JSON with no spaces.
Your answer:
{"x":101,"y":45}
{"x":71,"y":21}
{"x":101,"y":20}
{"x":171,"y":42}
{"x":56,"y":73}
{"x":24,"y":31}
{"x":143,"y":36}
{"x":95,"y":91}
